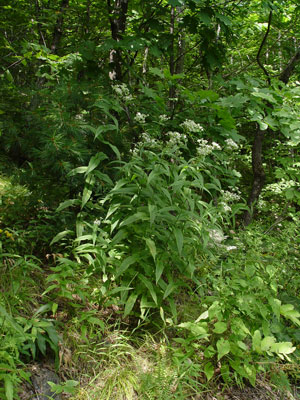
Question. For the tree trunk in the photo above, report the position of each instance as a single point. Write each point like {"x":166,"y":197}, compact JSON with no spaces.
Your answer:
{"x":259,"y":175}
{"x":257,"y":164}
{"x":58,"y":28}
{"x":117,"y":18}
{"x":172,"y":59}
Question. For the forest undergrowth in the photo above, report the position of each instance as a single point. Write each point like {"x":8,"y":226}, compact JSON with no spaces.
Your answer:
{"x":225,"y":315}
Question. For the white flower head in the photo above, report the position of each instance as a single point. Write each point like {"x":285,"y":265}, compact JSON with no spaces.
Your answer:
{"x":204,"y":148}
{"x":230,"y":196}
{"x":163,"y":118}
{"x":231,"y":144}
{"x":191,"y":126}
{"x":217,"y":236}
{"x":226,"y":207}
{"x":122,"y":91}
{"x":140,"y":118}
{"x":176,"y":138}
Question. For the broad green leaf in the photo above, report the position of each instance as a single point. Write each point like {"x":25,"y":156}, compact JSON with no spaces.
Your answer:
{"x":95,"y":161}
{"x":67,"y":203}
{"x":152,"y":212}
{"x":195,"y":329}
{"x":41,"y":342}
{"x":209,"y":371}
{"x":288,"y":311}
{"x":9,"y":388}
{"x":170,"y":288}
{"x":179,"y":240}
{"x":59,"y":236}
{"x":256,"y":341}
{"x":129,"y":304}
{"x":151,"y":245}
{"x":204,"y":315}
{"x":266,"y":96}
{"x":118,"y":290}
{"x":139,"y":216}
{"x":159,"y":268}
{"x":79,"y":170}
{"x":149,"y":286}
{"x":85,"y":196}
{"x":223,"y":347}
{"x":267,"y":342}
{"x":126,"y":264}
{"x":282,"y":348}
{"x":209,"y":352}
{"x":220,"y":327}
{"x":157,"y":72}
{"x":275,"y":305}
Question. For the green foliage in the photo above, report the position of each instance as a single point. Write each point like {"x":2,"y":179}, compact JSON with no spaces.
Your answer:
{"x":158,"y":225}
{"x":244,"y":320}
{"x":22,"y":337}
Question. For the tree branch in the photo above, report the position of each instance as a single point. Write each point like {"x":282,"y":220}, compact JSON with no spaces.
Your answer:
{"x":261,"y":47}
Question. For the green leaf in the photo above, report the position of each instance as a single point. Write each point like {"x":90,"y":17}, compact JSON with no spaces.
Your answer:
{"x":59,"y":236}
{"x":220,"y":327}
{"x":9,"y":387}
{"x":283,"y":348}
{"x":95,"y":161}
{"x":149,"y":286}
{"x":169,"y":289}
{"x":129,"y":304}
{"x":209,"y":371}
{"x":151,"y":245}
{"x":288,"y":311}
{"x":67,"y":203}
{"x":159,"y":268}
{"x":223,"y":347}
{"x":86,"y":196}
{"x":209,"y":352}
{"x":139,"y":216}
{"x":275,"y":305}
{"x":79,"y":170}
{"x":126,"y":264}
{"x":195,"y":329}
{"x":41,"y":342}
{"x":256,"y":341}
{"x":179,"y":240}
{"x":267,"y":342}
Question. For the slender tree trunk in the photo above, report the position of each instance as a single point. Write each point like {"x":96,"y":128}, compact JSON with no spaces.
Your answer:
{"x":259,"y":175}
{"x":181,"y":44}
{"x":39,"y":25}
{"x":172,"y":59}
{"x":117,"y":18}
{"x":257,"y":154}
{"x":58,"y":28}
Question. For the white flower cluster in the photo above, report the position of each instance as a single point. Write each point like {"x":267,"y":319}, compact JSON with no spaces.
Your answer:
{"x":148,"y":139}
{"x":217,"y":236}
{"x":226,"y":207}
{"x":230,"y":196}
{"x":140,"y":118}
{"x":204,"y":148}
{"x":176,"y":138}
{"x":191,"y":126}
{"x":231,"y":144}
{"x":163,"y":118}
{"x":145,"y":140}
{"x":280,"y":186}
{"x":122,"y":91}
